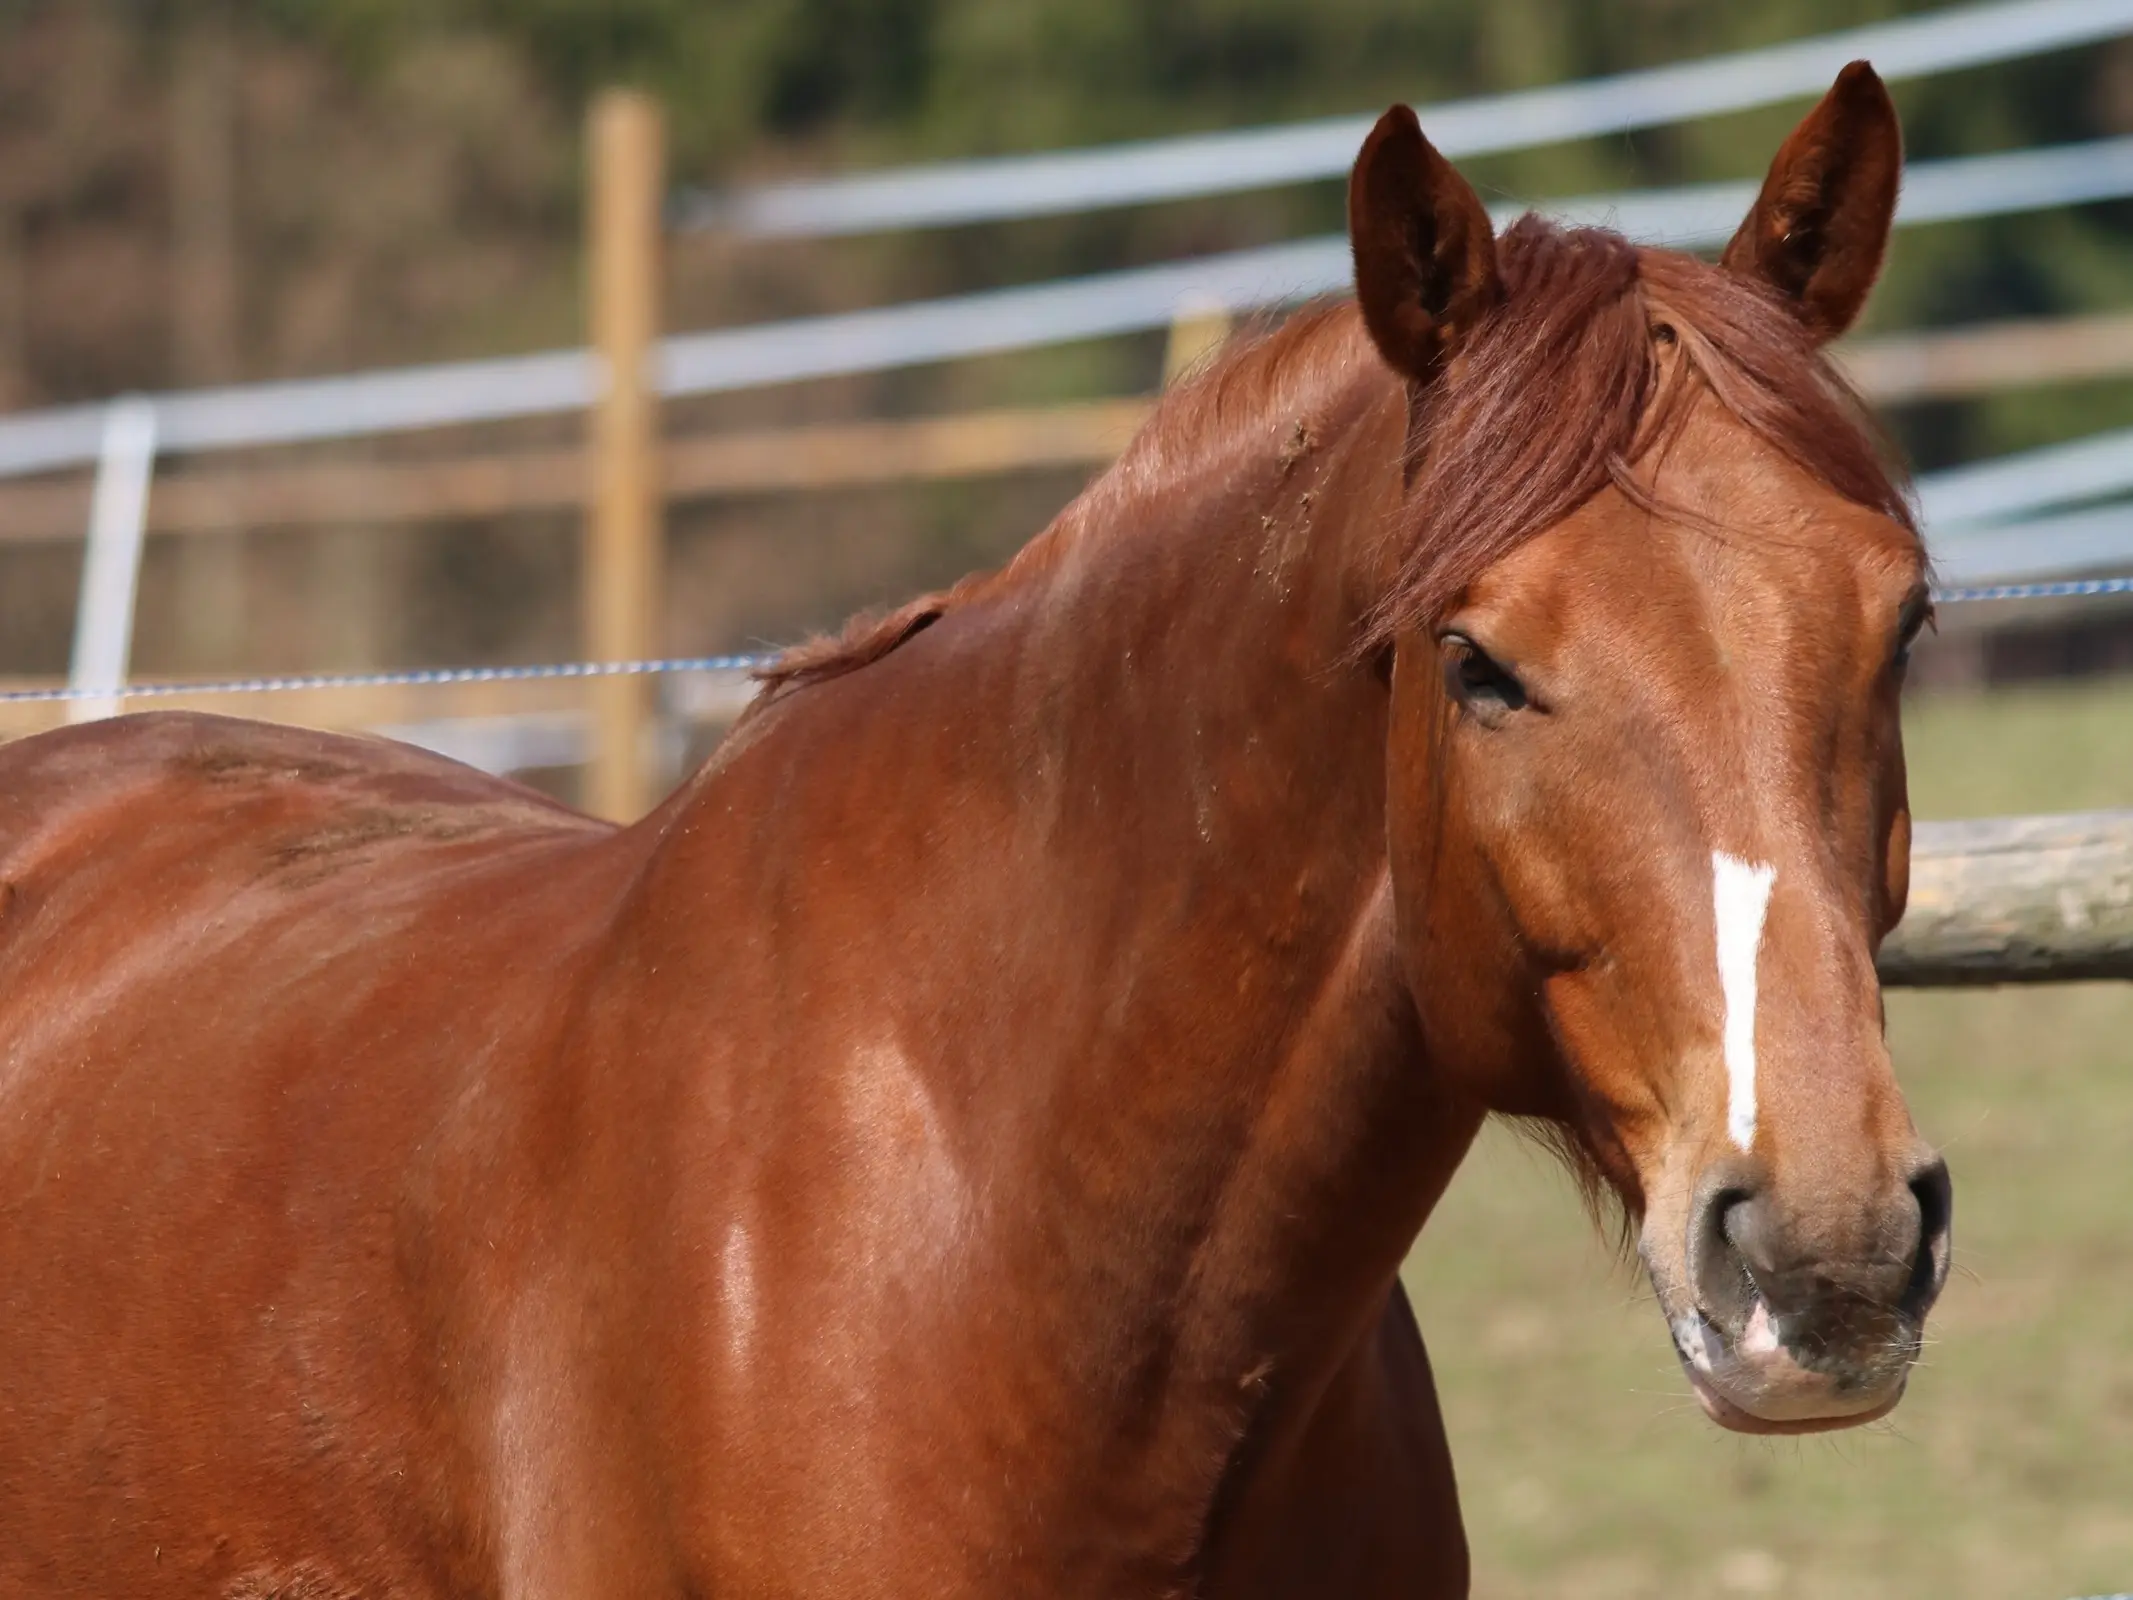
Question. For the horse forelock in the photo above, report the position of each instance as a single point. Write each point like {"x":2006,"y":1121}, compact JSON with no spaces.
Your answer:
{"x":1554,"y":397}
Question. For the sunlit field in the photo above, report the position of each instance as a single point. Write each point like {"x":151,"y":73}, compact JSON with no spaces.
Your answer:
{"x":2008,"y":1471}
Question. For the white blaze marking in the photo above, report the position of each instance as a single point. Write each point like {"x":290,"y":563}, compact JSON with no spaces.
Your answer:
{"x":1740,"y":893}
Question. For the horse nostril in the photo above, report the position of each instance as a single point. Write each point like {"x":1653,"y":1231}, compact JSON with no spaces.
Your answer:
{"x":1725,"y":1243}
{"x":1935,"y":1193}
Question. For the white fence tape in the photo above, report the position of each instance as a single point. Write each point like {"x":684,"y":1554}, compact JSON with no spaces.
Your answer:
{"x":1990,"y":492}
{"x":394,"y":401}
{"x":1257,"y":158}
{"x":990,"y":322}
{"x":2051,"y":547}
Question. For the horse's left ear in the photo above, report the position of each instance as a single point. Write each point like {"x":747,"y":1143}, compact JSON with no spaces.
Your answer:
{"x":1821,"y":225}
{"x":1425,"y":251}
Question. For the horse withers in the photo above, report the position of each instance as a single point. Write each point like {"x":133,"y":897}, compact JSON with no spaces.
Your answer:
{"x":963,"y":1142}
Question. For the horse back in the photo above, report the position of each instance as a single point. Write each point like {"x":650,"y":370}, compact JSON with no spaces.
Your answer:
{"x":219,"y":782}
{"x":282,"y":1023}
{"x":153,"y":843}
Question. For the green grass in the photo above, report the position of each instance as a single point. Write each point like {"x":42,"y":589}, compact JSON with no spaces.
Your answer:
{"x":2008,"y":1470}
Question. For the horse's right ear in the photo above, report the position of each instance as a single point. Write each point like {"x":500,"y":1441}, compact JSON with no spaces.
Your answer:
{"x":1425,"y":252}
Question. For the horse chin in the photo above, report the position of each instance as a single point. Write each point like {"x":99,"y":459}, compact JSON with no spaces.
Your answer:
{"x":1738,"y":1419}
{"x":1756,"y":1385}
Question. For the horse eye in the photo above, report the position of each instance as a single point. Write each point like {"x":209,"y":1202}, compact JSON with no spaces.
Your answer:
{"x":1477,"y":681}
{"x":1663,"y":333}
{"x":1916,"y":617}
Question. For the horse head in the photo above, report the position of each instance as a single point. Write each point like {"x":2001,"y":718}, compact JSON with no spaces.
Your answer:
{"x":1647,"y":809}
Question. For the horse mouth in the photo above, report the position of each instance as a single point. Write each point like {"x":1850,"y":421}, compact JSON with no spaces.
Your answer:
{"x":1756,"y":1384}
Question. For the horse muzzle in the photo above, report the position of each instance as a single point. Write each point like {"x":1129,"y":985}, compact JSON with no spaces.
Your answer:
{"x":1794,"y":1322}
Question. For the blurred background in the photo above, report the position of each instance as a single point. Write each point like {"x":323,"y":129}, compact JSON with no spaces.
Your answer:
{"x":196,"y":195}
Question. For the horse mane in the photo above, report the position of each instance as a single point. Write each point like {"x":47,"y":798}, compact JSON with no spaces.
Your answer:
{"x":1551,"y":399}
{"x":1269,"y":368}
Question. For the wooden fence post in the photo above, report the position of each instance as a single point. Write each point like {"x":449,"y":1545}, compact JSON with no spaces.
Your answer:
{"x":622,"y":551}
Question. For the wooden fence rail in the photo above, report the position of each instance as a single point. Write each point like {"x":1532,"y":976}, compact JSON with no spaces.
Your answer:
{"x":2016,"y":900}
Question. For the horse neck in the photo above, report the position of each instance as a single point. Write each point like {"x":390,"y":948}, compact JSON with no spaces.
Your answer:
{"x":1210,"y":838}
{"x":1117,"y":821}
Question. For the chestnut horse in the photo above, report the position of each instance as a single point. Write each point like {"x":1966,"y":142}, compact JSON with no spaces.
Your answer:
{"x":963,"y":1142}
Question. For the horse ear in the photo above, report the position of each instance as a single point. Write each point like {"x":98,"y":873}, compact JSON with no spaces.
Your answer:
{"x":1425,"y":253}
{"x":1820,"y":226}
